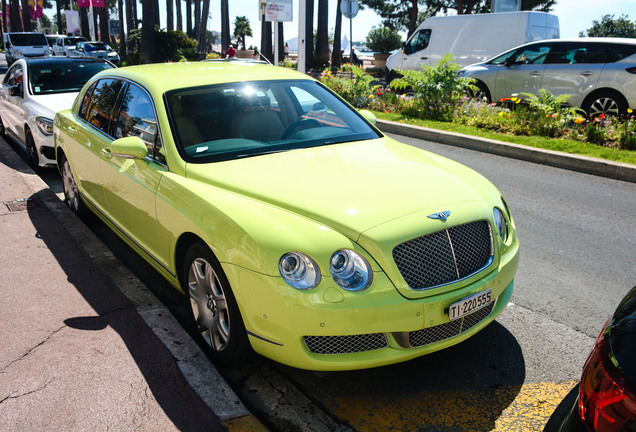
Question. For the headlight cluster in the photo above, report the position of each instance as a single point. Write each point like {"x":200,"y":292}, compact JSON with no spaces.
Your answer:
{"x":501,"y":223}
{"x":45,"y":124}
{"x":350,"y":270}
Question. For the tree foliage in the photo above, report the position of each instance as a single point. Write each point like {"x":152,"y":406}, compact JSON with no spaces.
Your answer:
{"x":609,"y":26}
{"x":242,"y":29}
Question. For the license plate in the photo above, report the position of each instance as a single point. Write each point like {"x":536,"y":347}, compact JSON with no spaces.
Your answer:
{"x":469,"y":304}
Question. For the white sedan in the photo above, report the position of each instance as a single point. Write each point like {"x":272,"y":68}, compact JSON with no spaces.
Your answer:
{"x":32,"y":92}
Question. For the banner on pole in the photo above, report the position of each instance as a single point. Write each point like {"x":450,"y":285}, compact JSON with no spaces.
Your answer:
{"x":72,"y":21}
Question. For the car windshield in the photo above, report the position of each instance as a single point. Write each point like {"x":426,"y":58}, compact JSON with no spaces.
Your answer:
{"x":28,"y":39}
{"x":235,"y":120}
{"x":73,"y":40}
{"x":95,"y":46}
{"x":49,"y":78}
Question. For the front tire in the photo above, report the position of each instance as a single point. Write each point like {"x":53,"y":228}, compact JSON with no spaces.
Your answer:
{"x":32,"y":151}
{"x":213,"y":307}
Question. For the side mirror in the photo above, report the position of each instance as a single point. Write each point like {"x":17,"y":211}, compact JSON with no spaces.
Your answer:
{"x":368,"y":115}
{"x":15,"y":90}
{"x":508,"y":61}
{"x":8,"y":44}
{"x":131,"y":147}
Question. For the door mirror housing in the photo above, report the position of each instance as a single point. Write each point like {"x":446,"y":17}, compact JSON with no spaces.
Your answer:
{"x":131,"y":147}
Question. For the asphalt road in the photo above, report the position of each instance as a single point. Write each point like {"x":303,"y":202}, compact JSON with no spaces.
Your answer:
{"x":578,"y":242}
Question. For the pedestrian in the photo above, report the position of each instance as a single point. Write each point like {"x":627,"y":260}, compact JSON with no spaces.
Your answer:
{"x":286,"y":50}
{"x":230,"y":52}
{"x":354,"y":59}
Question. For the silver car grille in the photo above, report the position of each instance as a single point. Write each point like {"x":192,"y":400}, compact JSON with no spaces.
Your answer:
{"x":445,"y":256}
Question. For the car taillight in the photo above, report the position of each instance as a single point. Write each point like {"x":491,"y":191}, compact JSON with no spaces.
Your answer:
{"x":631,"y":70}
{"x":604,"y":403}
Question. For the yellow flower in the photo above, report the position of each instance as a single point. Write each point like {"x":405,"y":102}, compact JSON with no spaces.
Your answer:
{"x":370,"y":96}
{"x":579,"y":120}
{"x":501,"y":113}
{"x":629,"y":111}
{"x":514,"y":99}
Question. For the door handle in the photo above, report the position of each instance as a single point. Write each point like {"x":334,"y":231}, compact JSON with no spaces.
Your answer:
{"x":587,"y":73}
{"x":535,"y":73}
{"x":106,"y":153}
{"x":423,"y":58}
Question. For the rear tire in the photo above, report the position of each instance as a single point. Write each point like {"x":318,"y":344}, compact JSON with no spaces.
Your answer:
{"x":481,"y":93}
{"x":213,"y":307}
{"x":71,"y":192}
{"x":607,"y":102}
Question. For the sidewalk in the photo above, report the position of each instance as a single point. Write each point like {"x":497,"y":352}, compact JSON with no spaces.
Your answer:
{"x":84,"y":351}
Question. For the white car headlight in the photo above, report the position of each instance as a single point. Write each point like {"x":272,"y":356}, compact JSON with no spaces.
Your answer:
{"x":45,"y":125}
{"x":500,"y":223}
{"x":299,"y":271}
{"x":112,"y":54}
{"x":350,"y":270}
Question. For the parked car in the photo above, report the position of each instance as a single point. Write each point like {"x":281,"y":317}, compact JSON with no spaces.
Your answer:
{"x":65,"y":46}
{"x":52,"y":40}
{"x":306,"y":235}
{"x":599,"y":74}
{"x":470,"y":38}
{"x":32,"y":91}
{"x":23,"y":45}
{"x":605,"y":399}
{"x":97,"y":49}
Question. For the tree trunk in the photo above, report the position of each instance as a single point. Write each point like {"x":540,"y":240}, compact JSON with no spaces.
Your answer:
{"x":412,"y":18}
{"x":179,"y":16}
{"x":83,"y":13}
{"x":266,"y":39}
{"x":336,"y":55}
{"x":123,"y":52}
{"x":189,"y":18}
{"x":104,"y":28}
{"x":309,"y":33}
{"x":170,"y":15}
{"x":281,"y":42}
{"x":14,"y":16}
{"x":322,"y":35}
{"x":148,"y":40}
{"x":26,"y":16}
{"x":5,"y":9}
{"x":197,"y":17}
{"x":225,"y":25}
{"x":58,"y":9}
{"x":131,"y":24}
{"x":203,"y":37}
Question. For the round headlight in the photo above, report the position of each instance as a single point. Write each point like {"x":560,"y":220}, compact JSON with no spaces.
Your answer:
{"x":299,"y":271}
{"x":500,"y":222}
{"x":350,"y":270}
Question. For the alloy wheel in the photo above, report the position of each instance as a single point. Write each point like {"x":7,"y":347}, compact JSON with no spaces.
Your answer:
{"x":71,"y":193}
{"x":604,"y":105}
{"x":209,"y":304}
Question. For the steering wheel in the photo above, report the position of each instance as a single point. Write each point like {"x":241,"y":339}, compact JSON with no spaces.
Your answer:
{"x":303,"y":124}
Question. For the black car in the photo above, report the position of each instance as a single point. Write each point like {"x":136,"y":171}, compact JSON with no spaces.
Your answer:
{"x":605,"y":399}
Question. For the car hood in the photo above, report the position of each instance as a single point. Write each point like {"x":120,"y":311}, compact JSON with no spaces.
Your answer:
{"x":351,"y":187}
{"x":48,"y":105}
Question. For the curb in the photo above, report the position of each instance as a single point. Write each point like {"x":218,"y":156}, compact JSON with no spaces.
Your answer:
{"x":196,"y":368}
{"x":584,"y":164}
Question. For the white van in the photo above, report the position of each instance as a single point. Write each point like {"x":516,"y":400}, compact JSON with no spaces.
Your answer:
{"x":24,"y":44}
{"x":470,"y":38}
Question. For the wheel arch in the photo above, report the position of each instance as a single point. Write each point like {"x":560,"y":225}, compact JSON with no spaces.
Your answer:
{"x":587,"y":101}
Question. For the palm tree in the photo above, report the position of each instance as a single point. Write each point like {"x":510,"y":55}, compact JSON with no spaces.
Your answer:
{"x":148,"y":39}
{"x":336,"y":55}
{"x":203,"y":34}
{"x":170,"y":14}
{"x":309,"y":33}
{"x":242,"y":29}
{"x":26,"y":16}
{"x":179,"y":16}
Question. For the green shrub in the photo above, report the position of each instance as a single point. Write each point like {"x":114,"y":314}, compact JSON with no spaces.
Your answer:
{"x":437,"y":90}
{"x":358,"y":91}
{"x":383,"y":39}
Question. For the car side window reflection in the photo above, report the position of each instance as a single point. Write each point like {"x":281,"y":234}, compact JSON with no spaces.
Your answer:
{"x":137,"y":118}
{"x":15,"y":77}
{"x":418,"y":42}
{"x":98,"y":108}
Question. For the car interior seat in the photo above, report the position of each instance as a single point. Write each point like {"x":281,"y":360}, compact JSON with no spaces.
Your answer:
{"x":187,"y":129}
{"x":255,"y":119}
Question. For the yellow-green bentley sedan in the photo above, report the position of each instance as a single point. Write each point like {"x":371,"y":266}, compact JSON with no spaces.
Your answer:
{"x":294,"y":226}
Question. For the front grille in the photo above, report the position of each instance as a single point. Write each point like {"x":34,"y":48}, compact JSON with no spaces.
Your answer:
{"x":450,"y":329}
{"x":346,"y":344}
{"x":445,"y":256}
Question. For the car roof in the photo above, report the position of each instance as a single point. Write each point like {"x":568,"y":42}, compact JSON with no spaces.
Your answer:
{"x":162,"y":77}
{"x":61,"y":60}
{"x":612,"y":40}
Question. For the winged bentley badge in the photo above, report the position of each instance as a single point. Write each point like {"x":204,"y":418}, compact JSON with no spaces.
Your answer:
{"x":443,"y":215}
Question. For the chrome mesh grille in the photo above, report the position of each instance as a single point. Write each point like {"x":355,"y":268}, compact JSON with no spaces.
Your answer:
{"x":346,"y":344}
{"x":450,"y":329}
{"x":444,"y":256}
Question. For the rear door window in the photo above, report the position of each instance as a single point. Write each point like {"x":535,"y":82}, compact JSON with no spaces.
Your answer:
{"x":97,"y":109}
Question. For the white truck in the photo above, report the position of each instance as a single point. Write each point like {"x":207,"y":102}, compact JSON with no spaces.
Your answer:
{"x":470,"y":38}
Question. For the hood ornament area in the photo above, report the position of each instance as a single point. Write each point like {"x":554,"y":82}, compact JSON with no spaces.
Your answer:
{"x":443,"y":215}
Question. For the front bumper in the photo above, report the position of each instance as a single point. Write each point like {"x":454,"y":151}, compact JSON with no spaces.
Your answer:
{"x":330,"y":329}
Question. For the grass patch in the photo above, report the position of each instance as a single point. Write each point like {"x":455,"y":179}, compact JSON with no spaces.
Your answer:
{"x":558,"y":144}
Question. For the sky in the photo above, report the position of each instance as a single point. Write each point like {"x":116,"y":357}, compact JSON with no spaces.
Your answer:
{"x":574,"y":16}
